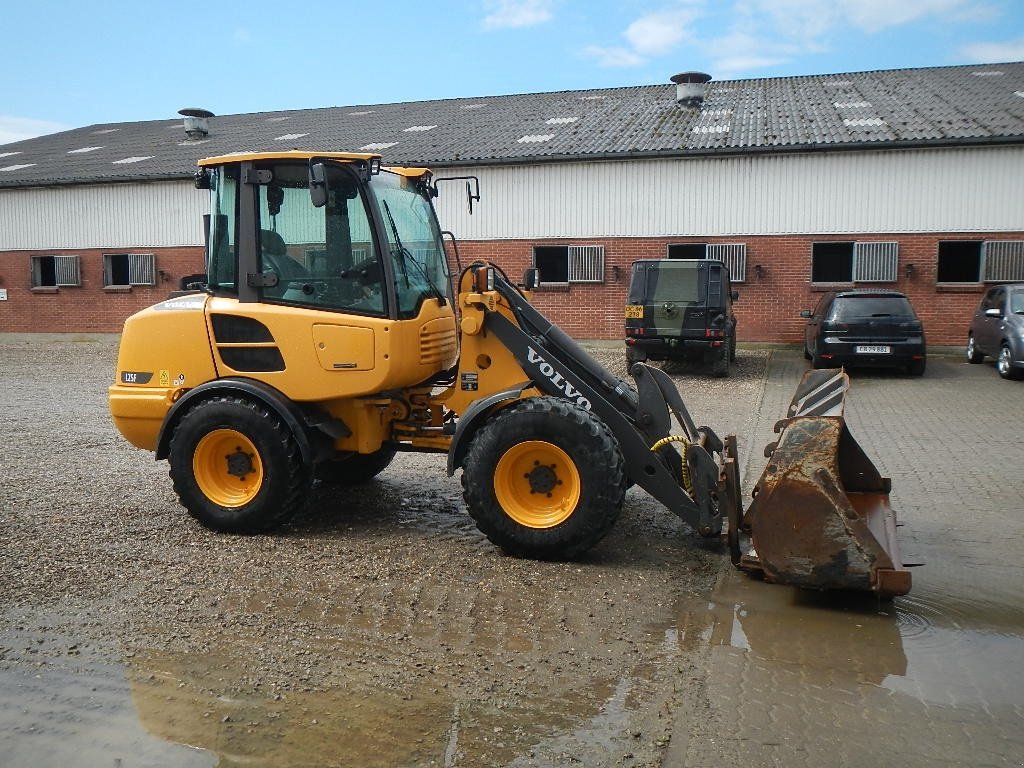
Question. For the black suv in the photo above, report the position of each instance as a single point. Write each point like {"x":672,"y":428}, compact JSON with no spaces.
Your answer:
{"x":854,"y":328}
{"x":681,"y":309}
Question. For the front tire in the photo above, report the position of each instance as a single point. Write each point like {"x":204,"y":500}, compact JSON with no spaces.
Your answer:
{"x":236,"y":467}
{"x":1004,"y":364}
{"x":544,"y":479}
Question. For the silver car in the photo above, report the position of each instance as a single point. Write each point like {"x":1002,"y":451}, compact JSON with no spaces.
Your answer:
{"x":997,"y":330}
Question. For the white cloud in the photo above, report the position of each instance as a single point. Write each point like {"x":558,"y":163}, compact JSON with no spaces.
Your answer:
{"x":20,"y":128}
{"x":517,"y":13}
{"x":658,"y":33}
{"x":654,"y":34}
{"x":613,"y":57}
{"x":988,"y":53}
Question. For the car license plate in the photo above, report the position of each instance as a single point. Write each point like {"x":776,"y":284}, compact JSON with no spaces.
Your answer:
{"x":873,"y":350}
{"x":634,"y":312}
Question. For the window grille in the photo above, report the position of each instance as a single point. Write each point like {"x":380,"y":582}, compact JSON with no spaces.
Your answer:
{"x":734,"y":256}
{"x":586,"y":263}
{"x":67,"y":270}
{"x":875,"y":262}
{"x":1003,"y":261}
{"x":141,"y":269}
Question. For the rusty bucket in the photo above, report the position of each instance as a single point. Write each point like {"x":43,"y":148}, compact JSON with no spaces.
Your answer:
{"x":820,"y":515}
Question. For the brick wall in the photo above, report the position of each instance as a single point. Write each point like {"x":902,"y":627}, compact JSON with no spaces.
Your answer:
{"x":87,"y":308}
{"x":768,"y":309}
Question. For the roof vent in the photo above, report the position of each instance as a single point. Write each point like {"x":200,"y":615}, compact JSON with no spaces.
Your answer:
{"x":690,"y":87}
{"x":197,"y":122}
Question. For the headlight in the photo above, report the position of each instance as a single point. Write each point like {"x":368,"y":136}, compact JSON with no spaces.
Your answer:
{"x":831,"y":340}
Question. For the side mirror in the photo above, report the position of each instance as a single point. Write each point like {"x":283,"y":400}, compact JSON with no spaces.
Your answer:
{"x":318,"y":184}
{"x":805,"y":313}
{"x":993,"y":312}
{"x":531,"y":279}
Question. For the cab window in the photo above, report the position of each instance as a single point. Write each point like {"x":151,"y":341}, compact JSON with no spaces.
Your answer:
{"x":321,"y":257}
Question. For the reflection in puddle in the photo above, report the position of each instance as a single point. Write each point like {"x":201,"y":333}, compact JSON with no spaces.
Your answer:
{"x":291,"y":729}
{"x":930,"y":679}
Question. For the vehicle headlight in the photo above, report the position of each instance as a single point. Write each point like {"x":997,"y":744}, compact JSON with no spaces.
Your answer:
{"x":831,"y":340}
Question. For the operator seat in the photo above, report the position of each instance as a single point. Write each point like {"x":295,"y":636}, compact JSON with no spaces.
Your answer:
{"x":277,"y":260}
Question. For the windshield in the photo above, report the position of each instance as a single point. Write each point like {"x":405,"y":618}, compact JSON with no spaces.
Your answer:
{"x":847,"y":308}
{"x":414,"y":242}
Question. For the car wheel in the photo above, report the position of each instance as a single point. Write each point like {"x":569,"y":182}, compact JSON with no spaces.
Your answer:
{"x":974,"y":355}
{"x":1004,"y":364}
{"x":916,"y":368}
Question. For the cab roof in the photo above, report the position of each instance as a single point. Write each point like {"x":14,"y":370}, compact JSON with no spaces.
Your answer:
{"x":306,"y":155}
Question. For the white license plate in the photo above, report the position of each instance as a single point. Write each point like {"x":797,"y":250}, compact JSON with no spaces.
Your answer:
{"x":873,"y":350}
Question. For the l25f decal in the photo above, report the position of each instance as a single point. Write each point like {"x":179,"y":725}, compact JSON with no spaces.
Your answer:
{"x":552,"y":375}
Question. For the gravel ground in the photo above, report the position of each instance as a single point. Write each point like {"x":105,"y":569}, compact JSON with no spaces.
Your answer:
{"x":377,"y":628}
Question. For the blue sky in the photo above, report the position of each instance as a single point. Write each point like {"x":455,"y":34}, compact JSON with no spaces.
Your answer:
{"x":72,"y":64}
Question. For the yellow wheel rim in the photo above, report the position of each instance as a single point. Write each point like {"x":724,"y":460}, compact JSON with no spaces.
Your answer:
{"x":227,"y":468}
{"x":537,"y":484}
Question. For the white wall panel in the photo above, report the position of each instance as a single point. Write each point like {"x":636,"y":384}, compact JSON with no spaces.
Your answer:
{"x":931,"y":190}
{"x":155,"y":214}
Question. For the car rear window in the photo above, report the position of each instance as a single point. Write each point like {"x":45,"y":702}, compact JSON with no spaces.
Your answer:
{"x":652,"y":284}
{"x":846,"y":308}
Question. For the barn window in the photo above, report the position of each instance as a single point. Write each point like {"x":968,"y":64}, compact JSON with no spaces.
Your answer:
{"x":959,"y":261}
{"x":687,"y":250}
{"x":564,"y":264}
{"x":832,"y":262}
{"x":129,"y":269}
{"x":55,"y":271}
{"x":854,"y":262}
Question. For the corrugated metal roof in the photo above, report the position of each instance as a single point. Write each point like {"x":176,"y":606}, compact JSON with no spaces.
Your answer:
{"x":906,"y":107}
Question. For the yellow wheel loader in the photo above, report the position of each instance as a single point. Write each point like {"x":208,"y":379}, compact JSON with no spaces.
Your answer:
{"x":328,"y":336}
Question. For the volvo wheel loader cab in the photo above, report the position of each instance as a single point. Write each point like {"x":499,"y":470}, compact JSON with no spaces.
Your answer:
{"x":328,"y":340}
{"x":681,"y":309}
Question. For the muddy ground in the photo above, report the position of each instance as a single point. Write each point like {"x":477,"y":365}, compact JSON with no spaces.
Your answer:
{"x":378,"y":628}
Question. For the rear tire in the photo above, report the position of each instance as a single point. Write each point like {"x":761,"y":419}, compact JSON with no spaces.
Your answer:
{"x":720,"y":366}
{"x":1004,"y":364}
{"x":356,"y":468}
{"x":544,"y":479}
{"x":634,"y":355}
{"x":974,"y":356}
{"x":916,"y":367}
{"x":236,"y":467}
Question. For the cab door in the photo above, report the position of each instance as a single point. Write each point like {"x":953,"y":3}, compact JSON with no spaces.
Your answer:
{"x":312,"y":315}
